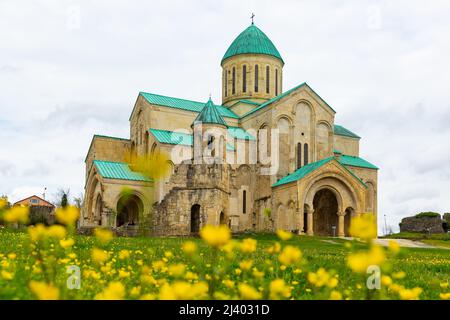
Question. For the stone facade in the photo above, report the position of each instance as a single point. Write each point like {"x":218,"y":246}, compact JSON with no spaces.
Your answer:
{"x":422,"y":224}
{"x":293,"y":134}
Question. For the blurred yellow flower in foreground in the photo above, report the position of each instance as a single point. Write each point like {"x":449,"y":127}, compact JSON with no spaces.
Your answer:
{"x":181,"y":290}
{"x":16,"y":214}
{"x":248,"y":245}
{"x":7,"y":275}
{"x":124,"y":254}
{"x":322,"y":278}
{"x":154,"y":166}
{"x":247,"y":292}
{"x":68,"y":215}
{"x":394,"y":246}
{"x":3,"y":203}
{"x":445,"y":296}
{"x":284,"y":235}
{"x":189,"y":248}
{"x":57,"y":232}
{"x":44,"y":291}
{"x":66,"y":243}
{"x":103,"y":235}
{"x":114,"y":291}
{"x":410,"y":294}
{"x":363,"y":227}
{"x":360,"y":261}
{"x":290,"y":255}
{"x":279,"y":289}
{"x":335,"y":295}
{"x":216,"y":236}
{"x":99,"y":256}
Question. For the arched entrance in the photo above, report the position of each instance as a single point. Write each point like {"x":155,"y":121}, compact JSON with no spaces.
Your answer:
{"x":98,"y":210}
{"x":325,"y":213}
{"x":305,"y":218}
{"x":195,"y":218}
{"x":222,"y":218}
{"x":349,"y":212}
{"x":129,"y":209}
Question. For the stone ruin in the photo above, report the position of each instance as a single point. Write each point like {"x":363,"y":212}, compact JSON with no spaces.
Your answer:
{"x":426,"y":224}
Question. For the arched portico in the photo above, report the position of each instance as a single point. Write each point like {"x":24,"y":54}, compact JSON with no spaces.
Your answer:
{"x":130,"y":209}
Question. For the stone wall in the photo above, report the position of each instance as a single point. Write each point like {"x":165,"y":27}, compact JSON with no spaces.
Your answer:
{"x":422,"y":224}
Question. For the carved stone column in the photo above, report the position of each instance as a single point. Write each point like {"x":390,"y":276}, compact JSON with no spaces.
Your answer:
{"x":341,"y":224}
{"x":310,"y":231}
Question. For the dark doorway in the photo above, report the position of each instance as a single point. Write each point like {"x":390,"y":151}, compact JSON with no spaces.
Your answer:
{"x":305,"y":218}
{"x":325,"y":213}
{"x":195,"y":219}
{"x":129,"y":209}
{"x":347,"y":221}
{"x":222,"y":218}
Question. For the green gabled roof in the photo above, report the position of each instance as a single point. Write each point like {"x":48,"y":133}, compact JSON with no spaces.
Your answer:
{"x":252,"y":40}
{"x":249,"y":102}
{"x":356,"y":162}
{"x":118,"y":170}
{"x":184,"y":104}
{"x":305,"y":170}
{"x":341,"y":131}
{"x":302,"y":172}
{"x":210,"y":114}
{"x":284,"y":94}
{"x":177,"y":138}
{"x":240,"y":133}
{"x":171,"y":137}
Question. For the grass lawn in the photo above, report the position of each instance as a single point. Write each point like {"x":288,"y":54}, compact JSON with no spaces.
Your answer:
{"x":424,"y":268}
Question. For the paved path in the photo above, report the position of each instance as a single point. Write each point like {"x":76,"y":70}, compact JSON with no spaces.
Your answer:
{"x":406,"y":243}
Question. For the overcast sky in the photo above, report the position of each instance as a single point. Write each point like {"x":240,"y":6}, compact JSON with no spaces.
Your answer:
{"x":70,"y":69}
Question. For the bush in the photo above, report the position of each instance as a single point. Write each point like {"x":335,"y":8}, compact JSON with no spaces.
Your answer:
{"x":428,"y":215}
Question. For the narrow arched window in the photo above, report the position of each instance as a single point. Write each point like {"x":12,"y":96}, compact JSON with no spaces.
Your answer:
{"x":276,"y":82}
{"x":267,"y":79}
{"x":256,"y":78}
{"x":306,"y":154}
{"x":233,"y":85}
{"x":226,"y":83}
{"x":244,"y":201}
{"x":299,"y":155}
{"x":244,"y":79}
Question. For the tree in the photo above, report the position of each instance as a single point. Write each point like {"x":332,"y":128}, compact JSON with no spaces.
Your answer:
{"x":62,"y":197}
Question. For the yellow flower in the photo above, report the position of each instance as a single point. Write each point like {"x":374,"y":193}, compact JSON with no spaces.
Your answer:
{"x":274,"y":249}
{"x":177,"y":270}
{"x":123,"y":274}
{"x":237,"y":271}
{"x":399,"y":275}
{"x":332,"y":283}
{"x":181,"y":290}
{"x":335,"y":295}
{"x":135,"y":291}
{"x":103,"y":235}
{"x":290,"y":255}
{"x":410,"y":294}
{"x":68,"y":215}
{"x":216,"y":236}
{"x":444,"y":285}
{"x":124,"y":254}
{"x":7,"y":275}
{"x":246,"y":265}
{"x":114,"y":291}
{"x":284,"y":235}
{"x":228,"y":283}
{"x":57,"y":232}
{"x":279,"y":289}
{"x":321,"y":278}
{"x":99,"y":256}
{"x":66,"y":243}
{"x":189,"y":248}
{"x":248,"y":245}
{"x":3,"y":202}
{"x":12,"y":256}
{"x":394,"y":246}
{"x":155,"y":166}
{"x":360,"y":261}
{"x":37,"y":232}
{"x":248,"y":292}
{"x":257,"y":274}
{"x":16,"y":214}
{"x":363,"y":227}
{"x":386,"y":281}
{"x":445,"y":296}
{"x":44,"y":291}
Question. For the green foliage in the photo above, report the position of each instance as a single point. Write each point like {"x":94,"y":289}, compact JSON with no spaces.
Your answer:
{"x":427,"y":215}
{"x":267,"y":212}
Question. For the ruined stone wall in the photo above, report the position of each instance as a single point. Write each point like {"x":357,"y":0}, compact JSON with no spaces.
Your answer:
{"x":422,"y":224}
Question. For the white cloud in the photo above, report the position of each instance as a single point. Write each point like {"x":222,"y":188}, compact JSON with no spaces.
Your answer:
{"x":383,"y":65}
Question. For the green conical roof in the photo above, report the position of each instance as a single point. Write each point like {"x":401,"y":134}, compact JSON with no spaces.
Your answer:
{"x":252,"y":40}
{"x":210,"y":114}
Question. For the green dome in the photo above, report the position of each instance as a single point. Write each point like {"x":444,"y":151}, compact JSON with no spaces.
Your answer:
{"x":252,"y":40}
{"x":210,"y":114}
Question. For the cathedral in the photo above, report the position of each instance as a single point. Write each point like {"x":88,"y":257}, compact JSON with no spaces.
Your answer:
{"x":261,"y":160}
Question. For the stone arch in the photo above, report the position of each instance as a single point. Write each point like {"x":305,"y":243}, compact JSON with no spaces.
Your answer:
{"x":325,"y":205}
{"x":370,"y":197}
{"x":306,"y":209}
{"x":98,"y":209}
{"x":153,"y":149}
{"x":284,"y":144}
{"x":222,"y":218}
{"x":264,"y":143}
{"x":130,"y":209}
{"x":195,"y":220}
{"x":323,"y":145}
{"x":292,"y":226}
{"x":93,"y":187}
{"x":282,"y":217}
